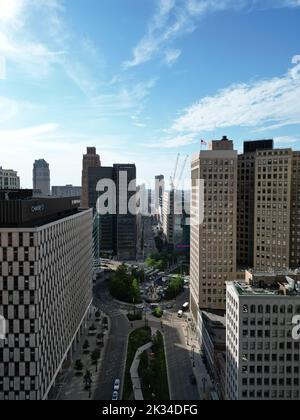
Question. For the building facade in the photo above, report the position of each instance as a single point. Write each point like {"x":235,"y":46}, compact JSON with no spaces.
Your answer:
{"x":46,"y":291}
{"x":263,"y":358}
{"x":246,"y":201}
{"x":213,"y":242}
{"x":41,"y":177}
{"x":66,"y":191}
{"x":90,"y":160}
{"x":9,"y":179}
{"x":118,"y":231}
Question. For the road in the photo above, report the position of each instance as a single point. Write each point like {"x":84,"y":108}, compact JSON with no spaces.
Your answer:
{"x":179,"y":360}
{"x":114,"y":360}
{"x":178,"y":354}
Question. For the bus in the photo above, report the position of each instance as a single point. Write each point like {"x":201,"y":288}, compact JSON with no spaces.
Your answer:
{"x":186,"y":307}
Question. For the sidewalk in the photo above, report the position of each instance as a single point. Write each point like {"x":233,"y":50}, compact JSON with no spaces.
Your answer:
{"x":204,"y":382}
{"x":71,"y":386}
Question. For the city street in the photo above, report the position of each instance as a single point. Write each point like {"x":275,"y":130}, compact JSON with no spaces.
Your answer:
{"x":113,"y":363}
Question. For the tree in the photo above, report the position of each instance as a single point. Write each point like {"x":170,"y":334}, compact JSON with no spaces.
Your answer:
{"x":98,"y":315}
{"x":78,"y":366}
{"x":95,"y":356}
{"x":135,"y":292}
{"x":175,"y":287}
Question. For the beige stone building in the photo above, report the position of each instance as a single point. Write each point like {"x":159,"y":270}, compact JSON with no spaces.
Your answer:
{"x":90,"y":160}
{"x":213,"y":242}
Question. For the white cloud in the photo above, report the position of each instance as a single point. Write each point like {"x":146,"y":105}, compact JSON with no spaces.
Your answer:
{"x":28,"y":133}
{"x":173,"y":142}
{"x":171,"y":56}
{"x":10,"y":11}
{"x":286,"y":140}
{"x":2,"y":68}
{"x":175,"y":18}
{"x":262,"y":104}
{"x":10,"y":108}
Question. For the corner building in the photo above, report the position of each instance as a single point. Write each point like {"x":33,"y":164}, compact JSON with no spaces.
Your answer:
{"x":45,"y":289}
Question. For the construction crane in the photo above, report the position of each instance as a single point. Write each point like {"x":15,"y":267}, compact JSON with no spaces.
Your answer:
{"x":182,"y":170}
{"x":172,"y":179}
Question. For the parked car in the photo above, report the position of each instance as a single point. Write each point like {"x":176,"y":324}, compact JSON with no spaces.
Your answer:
{"x":117,"y":385}
{"x":115,"y":396}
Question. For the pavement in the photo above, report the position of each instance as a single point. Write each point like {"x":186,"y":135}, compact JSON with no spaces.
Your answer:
{"x":69,"y":385}
{"x":183,"y":355}
{"x":114,"y":360}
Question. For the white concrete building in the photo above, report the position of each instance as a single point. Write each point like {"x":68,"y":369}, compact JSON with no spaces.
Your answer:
{"x":45,"y":289}
{"x":9,"y":179}
{"x":263,"y":359}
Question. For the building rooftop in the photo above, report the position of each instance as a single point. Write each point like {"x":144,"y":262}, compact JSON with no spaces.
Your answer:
{"x":281,"y":289}
{"x":19,"y":208}
{"x":215,"y":323}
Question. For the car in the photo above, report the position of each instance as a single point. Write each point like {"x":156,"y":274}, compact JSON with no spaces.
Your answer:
{"x":180,"y":314}
{"x":193,"y":380}
{"x":115,"y":396}
{"x":117,"y":385}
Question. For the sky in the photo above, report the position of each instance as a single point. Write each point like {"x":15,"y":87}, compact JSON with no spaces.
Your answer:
{"x":143,"y":80}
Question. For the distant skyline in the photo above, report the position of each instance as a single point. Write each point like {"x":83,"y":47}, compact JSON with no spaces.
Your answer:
{"x":143,"y":80}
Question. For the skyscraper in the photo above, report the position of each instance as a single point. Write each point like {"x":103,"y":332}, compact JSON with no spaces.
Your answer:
{"x":268,"y":207}
{"x":246,"y":201}
{"x":213,"y":243}
{"x":262,"y":354}
{"x":46,"y":289}
{"x":117,"y":231}
{"x":66,"y":191}
{"x":90,"y":160}
{"x":41,"y":176}
{"x":9,"y":179}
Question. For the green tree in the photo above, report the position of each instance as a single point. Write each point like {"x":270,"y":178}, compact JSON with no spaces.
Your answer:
{"x":135,"y":292}
{"x":95,"y":356}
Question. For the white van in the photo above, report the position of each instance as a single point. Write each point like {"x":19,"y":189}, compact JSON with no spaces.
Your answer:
{"x":180,"y":314}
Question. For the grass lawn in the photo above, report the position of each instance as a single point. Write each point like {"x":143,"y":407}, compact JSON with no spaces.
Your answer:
{"x":153,"y":372}
{"x":137,"y":338}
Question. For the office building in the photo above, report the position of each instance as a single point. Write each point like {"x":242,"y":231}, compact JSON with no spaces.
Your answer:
{"x":46,"y":289}
{"x":41,"y":177}
{"x":66,"y":191}
{"x":213,"y":242}
{"x":263,"y":358}
{"x":272,"y":221}
{"x":159,"y":195}
{"x":212,"y":338}
{"x":118,"y":233}
{"x":9,"y":179}
{"x":90,"y":160}
{"x":246,"y":201}
{"x":168,"y":216}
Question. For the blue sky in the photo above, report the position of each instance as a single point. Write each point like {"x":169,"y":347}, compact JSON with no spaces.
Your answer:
{"x":143,"y":80}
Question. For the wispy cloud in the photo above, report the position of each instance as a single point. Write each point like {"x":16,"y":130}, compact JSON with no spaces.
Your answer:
{"x":28,"y":133}
{"x":173,"y":142}
{"x":286,"y":140}
{"x":10,"y":108}
{"x":171,"y":56}
{"x":263,"y":104}
{"x":175,"y":18}
{"x":2,"y":68}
